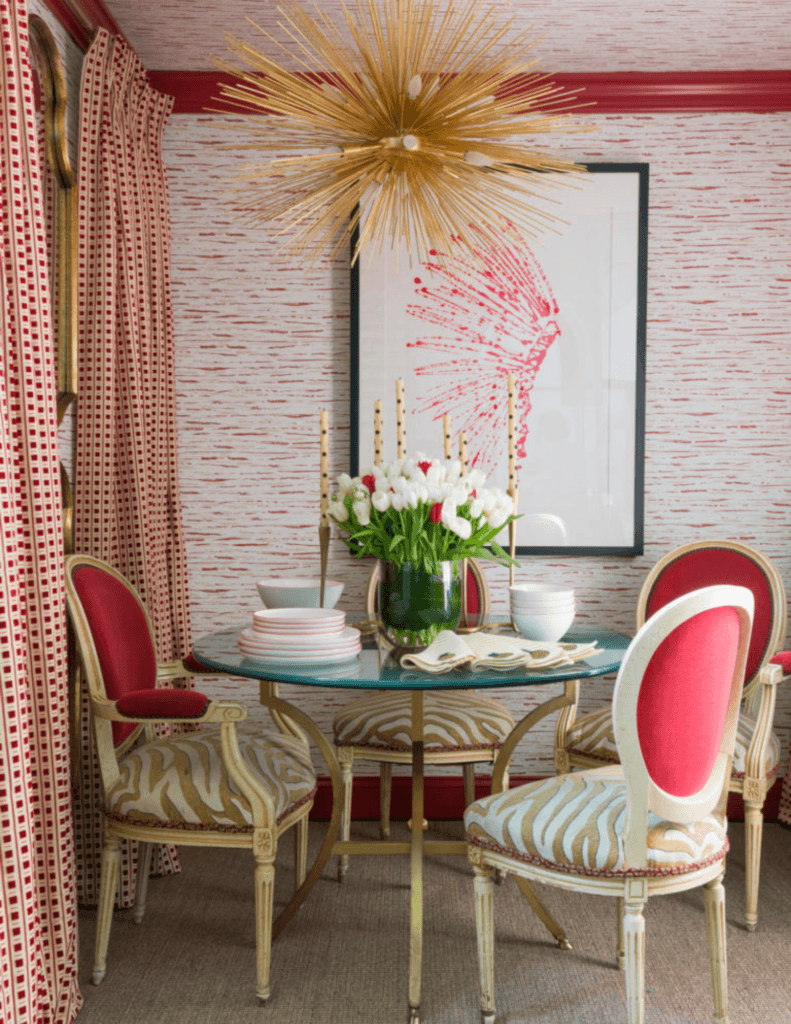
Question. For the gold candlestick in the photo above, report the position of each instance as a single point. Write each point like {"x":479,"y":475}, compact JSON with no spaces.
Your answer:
{"x":324,"y":522}
{"x":400,"y":430}
{"x":463,"y":451}
{"x":446,"y":431}
{"x":377,"y":433}
{"x":512,"y":482}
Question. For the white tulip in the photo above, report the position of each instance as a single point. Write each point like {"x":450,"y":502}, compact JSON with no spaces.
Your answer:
{"x":476,"y":479}
{"x":453,"y":470}
{"x":476,"y":508}
{"x":381,"y":500}
{"x":338,"y":511}
{"x":344,"y":483}
{"x":497,"y":517}
{"x":399,"y":502}
{"x":435,"y":475}
{"x":448,"y":511}
{"x":362,"y":510}
{"x":462,"y":527}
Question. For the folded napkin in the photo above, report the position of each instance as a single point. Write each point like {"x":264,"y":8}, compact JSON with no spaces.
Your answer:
{"x":487,"y":651}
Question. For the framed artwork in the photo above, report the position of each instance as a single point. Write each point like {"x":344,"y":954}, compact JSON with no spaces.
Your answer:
{"x":567,"y":317}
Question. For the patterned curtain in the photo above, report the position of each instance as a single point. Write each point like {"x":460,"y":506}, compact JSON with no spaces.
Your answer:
{"x":126,"y":488}
{"x":38,"y":928}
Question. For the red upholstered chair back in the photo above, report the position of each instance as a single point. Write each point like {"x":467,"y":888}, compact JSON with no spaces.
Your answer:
{"x":121,"y":633}
{"x":675,"y":705}
{"x":710,"y":563}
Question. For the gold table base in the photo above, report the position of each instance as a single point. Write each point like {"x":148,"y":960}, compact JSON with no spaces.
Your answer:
{"x":293,"y":720}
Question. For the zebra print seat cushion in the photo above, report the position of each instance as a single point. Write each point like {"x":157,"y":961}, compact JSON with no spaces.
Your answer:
{"x":459,"y":720}
{"x":593,"y":736}
{"x":182,"y":780}
{"x":575,"y":823}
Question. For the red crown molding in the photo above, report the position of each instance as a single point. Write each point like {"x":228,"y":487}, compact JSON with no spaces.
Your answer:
{"x":660,"y":92}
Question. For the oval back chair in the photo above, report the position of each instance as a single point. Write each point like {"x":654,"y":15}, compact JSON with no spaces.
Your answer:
{"x":219,"y":786}
{"x":655,"y":823}
{"x":589,"y":740}
{"x":460,"y":726}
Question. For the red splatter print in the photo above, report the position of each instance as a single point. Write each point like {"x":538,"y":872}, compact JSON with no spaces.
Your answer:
{"x":496,"y":315}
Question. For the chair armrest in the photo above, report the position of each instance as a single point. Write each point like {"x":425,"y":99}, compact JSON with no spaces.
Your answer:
{"x":183,"y":667}
{"x":168,"y":706}
{"x":783,"y":659}
{"x":760,"y":705}
{"x":772,"y":673}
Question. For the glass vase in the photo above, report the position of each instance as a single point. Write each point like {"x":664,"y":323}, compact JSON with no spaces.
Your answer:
{"x":416,"y":603}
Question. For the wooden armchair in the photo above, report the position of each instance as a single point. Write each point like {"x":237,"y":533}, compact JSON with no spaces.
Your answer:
{"x":461,"y":726}
{"x":654,"y":824}
{"x":219,"y":786}
{"x":588,"y":741}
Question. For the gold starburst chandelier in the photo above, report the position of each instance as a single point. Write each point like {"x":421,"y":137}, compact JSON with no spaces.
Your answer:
{"x":405,"y":111}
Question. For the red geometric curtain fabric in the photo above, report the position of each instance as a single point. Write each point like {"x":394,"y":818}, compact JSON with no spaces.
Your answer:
{"x":127,"y":508}
{"x":38,"y":928}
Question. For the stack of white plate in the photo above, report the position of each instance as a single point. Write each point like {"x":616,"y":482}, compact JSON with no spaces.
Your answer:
{"x":300,"y":637}
{"x":541,"y":611}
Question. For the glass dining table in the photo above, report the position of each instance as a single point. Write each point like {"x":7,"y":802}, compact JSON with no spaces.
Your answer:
{"x":374,"y":668}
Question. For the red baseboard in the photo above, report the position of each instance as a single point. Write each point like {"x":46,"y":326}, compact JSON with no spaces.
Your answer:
{"x":444,"y":798}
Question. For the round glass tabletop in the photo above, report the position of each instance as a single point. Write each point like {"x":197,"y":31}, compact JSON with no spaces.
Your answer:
{"x":371,"y":669}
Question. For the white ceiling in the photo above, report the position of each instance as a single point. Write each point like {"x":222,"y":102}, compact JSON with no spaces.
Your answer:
{"x":579,"y":35}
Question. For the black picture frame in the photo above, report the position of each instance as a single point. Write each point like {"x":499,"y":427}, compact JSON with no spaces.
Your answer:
{"x":613,"y":213}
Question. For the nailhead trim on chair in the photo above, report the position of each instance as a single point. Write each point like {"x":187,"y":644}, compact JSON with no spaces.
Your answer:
{"x":574,"y":869}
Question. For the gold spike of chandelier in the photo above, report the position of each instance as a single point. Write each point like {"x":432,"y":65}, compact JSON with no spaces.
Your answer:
{"x":405,"y":111}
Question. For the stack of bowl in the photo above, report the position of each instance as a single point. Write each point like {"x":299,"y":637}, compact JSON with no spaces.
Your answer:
{"x":542,"y":611}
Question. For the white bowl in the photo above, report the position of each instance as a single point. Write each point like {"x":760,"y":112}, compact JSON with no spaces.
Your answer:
{"x":539,"y":591}
{"x":549,"y":627}
{"x":542,"y":606}
{"x":299,"y":593}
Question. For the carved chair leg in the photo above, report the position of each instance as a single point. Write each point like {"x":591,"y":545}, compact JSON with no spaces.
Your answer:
{"x":634,"y":941}
{"x":345,"y":761}
{"x":300,"y":851}
{"x":144,"y":851}
{"x":385,"y":793}
{"x":714,"y":893}
{"x":469,"y":784}
{"x":264,"y":853}
{"x":484,"y":927}
{"x":753,"y":834}
{"x":620,"y":956}
{"x":111,"y":859}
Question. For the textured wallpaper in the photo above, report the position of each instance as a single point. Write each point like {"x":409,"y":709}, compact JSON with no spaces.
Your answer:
{"x":262,"y":346}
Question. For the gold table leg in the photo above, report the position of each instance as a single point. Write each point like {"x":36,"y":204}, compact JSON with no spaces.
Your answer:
{"x":416,"y":861}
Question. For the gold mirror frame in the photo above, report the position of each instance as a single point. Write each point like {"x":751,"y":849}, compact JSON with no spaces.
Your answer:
{"x":44,"y":55}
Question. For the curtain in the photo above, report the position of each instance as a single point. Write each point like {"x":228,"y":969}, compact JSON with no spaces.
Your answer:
{"x":127,"y":508}
{"x":38,"y":927}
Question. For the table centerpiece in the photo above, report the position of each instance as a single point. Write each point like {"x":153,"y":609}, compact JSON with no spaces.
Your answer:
{"x":421,"y":517}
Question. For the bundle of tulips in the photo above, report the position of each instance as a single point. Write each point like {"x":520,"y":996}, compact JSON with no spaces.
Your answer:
{"x":421,"y":511}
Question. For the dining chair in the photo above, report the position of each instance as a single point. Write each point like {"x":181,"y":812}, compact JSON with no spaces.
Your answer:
{"x":460,"y":726}
{"x":589,"y":740}
{"x":655,"y":823}
{"x":219,"y":785}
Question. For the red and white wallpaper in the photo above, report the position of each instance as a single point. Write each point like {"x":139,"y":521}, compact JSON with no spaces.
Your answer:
{"x":262,"y":346}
